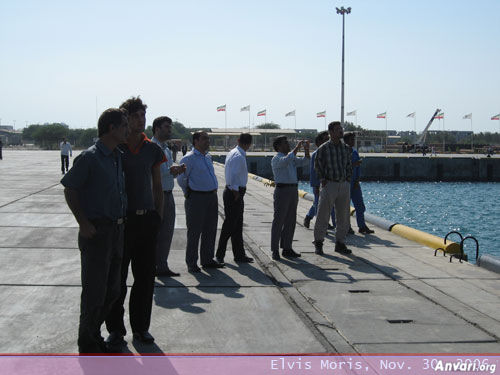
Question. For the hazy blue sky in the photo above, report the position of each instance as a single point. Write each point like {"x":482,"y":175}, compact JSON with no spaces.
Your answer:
{"x":187,"y":57}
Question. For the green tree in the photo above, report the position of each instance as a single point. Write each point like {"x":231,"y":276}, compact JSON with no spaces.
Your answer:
{"x":48,"y":136}
{"x":268,"y":125}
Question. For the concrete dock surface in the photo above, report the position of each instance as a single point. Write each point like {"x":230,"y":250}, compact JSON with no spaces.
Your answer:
{"x":390,"y":295}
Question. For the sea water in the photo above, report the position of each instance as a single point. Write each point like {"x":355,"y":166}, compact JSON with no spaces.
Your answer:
{"x":471,"y":208}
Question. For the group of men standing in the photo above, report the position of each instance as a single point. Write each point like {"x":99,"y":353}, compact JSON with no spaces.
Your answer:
{"x":120,"y":192}
{"x":335,"y":180}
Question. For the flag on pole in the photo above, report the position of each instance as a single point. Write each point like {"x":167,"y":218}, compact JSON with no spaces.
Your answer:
{"x":290,"y":113}
{"x":469,"y":116}
{"x":382,"y":115}
{"x":321,"y":114}
{"x":412,"y":114}
{"x":247,"y":108}
{"x":439,"y":116}
{"x":221,"y":108}
{"x":261,"y":113}
{"x":352,"y":113}
{"x":496,"y":117}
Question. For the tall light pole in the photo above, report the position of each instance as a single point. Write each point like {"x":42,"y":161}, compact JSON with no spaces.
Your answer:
{"x":342,"y":11}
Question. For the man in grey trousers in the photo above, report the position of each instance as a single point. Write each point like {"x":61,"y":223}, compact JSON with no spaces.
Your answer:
{"x":199,"y":185}
{"x":162,"y":130}
{"x":284,"y":165}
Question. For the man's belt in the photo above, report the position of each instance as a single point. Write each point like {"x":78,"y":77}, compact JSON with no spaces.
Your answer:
{"x":167,"y":191}
{"x":203,"y":192}
{"x":138,"y":212}
{"x":280,"y":185}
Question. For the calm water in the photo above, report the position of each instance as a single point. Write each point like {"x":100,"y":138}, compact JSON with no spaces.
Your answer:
{"x":440,"y":207}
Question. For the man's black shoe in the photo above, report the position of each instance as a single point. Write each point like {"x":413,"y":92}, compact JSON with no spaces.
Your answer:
{"x":318,"y":247}
{"x":114,"y":342}
{"x":220,"y":260}
{"x":167,"y":272}
{"x":366,"y":230}
{"x":212,"y":264}
{"x":342,"y":248}
{"x":144,"y":337}
{"x":194,"y":269}
{"x":289,"y":253}
{"x":331,"y":226}
{"x":243,"y":259}
{"x":307,"y":221}
{"x":276,"y":255}
{"x":350,"y":231}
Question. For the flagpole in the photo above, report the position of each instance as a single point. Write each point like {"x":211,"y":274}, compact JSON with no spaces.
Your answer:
{"x":295,"y":119}
{"x":225,"y":121}
{"x":248,"y":117}
{"x":385,"y":117}
{"x":325,"y":122}
{"x":472,"y":135}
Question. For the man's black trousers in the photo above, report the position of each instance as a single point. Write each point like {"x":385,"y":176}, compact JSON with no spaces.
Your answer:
{"x":140,"y":251}
{"x":64,"y":163}
{"x":101,"y":258}
{"x":233,"y":225}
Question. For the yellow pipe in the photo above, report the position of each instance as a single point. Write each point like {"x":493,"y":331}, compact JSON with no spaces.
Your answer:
{"x":426,"y":239}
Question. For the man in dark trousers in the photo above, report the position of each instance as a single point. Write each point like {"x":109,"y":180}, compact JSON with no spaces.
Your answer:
{"x":66,"y":152}
{"x":286,"y":198}
{"x":95,"y":193}
{"x":236,"y":173}
{"x":162,"y":130}
{"x":199,"y":185}
{"x":356,"y":194}
{"x":141,"y":164}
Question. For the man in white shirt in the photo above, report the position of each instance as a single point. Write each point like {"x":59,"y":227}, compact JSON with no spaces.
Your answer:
{"x":236,"y":181}
{"x":162,"y":130}
{"x":66,"y":152}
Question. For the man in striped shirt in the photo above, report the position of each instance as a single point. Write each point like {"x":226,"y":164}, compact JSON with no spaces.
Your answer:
{"x":333,"y":168}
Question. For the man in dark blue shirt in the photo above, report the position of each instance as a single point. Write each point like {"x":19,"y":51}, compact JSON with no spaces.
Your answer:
{"x":95,"y":193}
{"x":356,"y":194}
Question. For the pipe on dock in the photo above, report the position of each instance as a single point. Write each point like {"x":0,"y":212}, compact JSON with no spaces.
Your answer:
{"x":424,"y":238}
{"x":379,"y":221}
{"x":489,"y":262}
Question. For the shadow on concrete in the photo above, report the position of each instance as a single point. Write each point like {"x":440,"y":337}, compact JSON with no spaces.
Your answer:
{"x":146,"y":348}
{"x":361,"y":265}
{"x":227,"y":286}
{"x":252,"y":272}
{"x":365,"y":241}
{"x":177,"y":296}
{"x":314,"y":272}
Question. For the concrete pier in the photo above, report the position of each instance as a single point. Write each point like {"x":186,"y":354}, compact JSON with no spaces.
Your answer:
{"x":390,"y":296}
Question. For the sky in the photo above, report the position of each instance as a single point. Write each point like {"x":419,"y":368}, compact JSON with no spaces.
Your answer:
{"x":67,"y":61}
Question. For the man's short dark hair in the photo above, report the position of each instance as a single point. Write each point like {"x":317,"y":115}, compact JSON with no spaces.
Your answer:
{"x":277,"y":142}
{"x":133,"y":105}
{"x":319,"y":138}
{"x":332,"y":124}
{"x":348,"y":136}
{"x":197,"y":135}
{"x":111,"y":117}
{"x":245,"y":138}
{"x":157,"y":123}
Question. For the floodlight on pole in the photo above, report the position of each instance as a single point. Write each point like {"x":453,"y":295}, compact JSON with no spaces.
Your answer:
{"x":342,"y":11}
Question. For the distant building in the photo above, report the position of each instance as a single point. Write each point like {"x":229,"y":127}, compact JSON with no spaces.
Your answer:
{"x":262,"y":138}
{"x":10,"y":136}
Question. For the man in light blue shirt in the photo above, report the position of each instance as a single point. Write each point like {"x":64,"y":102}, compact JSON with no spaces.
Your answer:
{"x":66,"y":152}
{"x":199,"y":185}
{"x":162,"y":130}
{"x":284,"y":165}
{"x":236,"y":173}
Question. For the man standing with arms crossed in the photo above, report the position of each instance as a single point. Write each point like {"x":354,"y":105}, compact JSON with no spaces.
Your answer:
{"x":66,"y":152}
{"x":162,"y":130}
{"x":141,"y":164}
{"x":286,"y":198}
{"x":333,"y":168}
{"x":199,"y":185}
{"x":236,"y":173}
{"x":95,"y":192}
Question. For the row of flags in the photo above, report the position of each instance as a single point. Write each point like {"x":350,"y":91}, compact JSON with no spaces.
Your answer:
{"x":439,"y":116}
